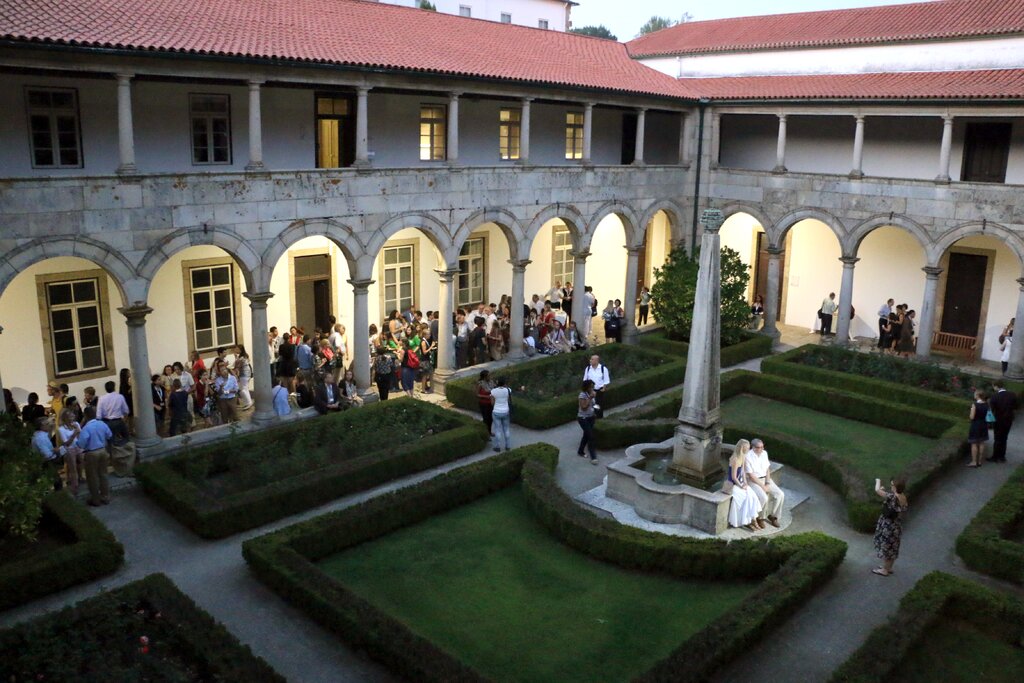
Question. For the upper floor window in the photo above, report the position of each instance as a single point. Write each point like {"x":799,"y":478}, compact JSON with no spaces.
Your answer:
{"x":465,"y":11}
{"x":53,"y":128}
{"x":574,"y":135}
{"x":509,"y":131}
{"x":472,"y":272}
{"x":986,"y":151}
{"x":506,"y":18}
{"x":211,"y":128}
{"x":542,"y":23}
{"x":432,"y":132}
{"x":335,"y":131}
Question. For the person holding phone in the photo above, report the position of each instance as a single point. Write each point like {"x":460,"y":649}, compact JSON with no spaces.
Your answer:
{"x":889,"y":529}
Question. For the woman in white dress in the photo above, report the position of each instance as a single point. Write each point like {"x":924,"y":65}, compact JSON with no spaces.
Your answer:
{"x":744,"y":506}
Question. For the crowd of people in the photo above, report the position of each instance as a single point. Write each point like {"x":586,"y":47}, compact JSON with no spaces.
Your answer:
{"x":896,"y":327}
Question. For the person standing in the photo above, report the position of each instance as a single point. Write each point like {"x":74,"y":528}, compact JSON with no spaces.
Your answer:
{"x":889,"y":529}
{"x":599,"y":375}
{"x":501,"y":414}
{"x":555,"y":295}
{"x":977,"y":436}
{"x":906,"y":345}
{"x":279,"y":398}
{"x":586,"y":415}
{"x":113,"y":409}
{"x":1004,"y":356}
{"x":243,"y":370}
{"x":178,"y":403}
{"x":567,"y":295}
{"x":67,"y":445}
{"x":225,"y":388}
{"x":645,"y":305}
{"x":828,"y":310}
{"x":758,"y":470}
{"x":42,"y":443}
{"x":156,"y":387}
{"x":94,"y":440}
{"x":124,"y":388}
{"x":483,"y":397}
{"x":883,"y":324}
{"x":1002,"y":404}
{"x":286,"y":361}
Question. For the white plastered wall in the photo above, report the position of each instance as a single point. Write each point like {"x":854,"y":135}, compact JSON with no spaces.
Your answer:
{"x":812,"y":270}
{"x":739,"y":232}
{"x":890,"y":266}
{"x":1002,"y":299}
{"x":606,"y":267}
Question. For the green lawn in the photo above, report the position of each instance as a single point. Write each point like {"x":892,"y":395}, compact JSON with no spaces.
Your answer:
{"x":872,"y":451}
{"x":489,"y":584}
{"x":955,"y":651}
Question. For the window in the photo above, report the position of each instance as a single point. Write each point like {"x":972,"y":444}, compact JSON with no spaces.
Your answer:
{"x":211,"y":128}
{"x":212,"y":305}
{"x":53,"y":128}
{"x":335,"y":131}
{"x":561,"y":255}
{"x":574,"y":135}
{"x":506,"y":18}
{"x":465,"y":11}
{"x":398,"y":273}
{"x":986,"y":152}
{"x":432,"y":132}
{"x":509,"y":129}
{"x":542,"y":23}
{"x":472,"y":273}
{"x":76,"y":326}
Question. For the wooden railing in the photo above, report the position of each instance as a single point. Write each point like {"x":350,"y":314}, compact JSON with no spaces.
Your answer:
{"x":959,"y":344}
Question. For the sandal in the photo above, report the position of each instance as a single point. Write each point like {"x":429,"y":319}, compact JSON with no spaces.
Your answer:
{"x":880,"y":571}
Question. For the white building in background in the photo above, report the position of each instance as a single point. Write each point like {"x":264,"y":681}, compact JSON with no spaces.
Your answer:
{"x":547,"y":14}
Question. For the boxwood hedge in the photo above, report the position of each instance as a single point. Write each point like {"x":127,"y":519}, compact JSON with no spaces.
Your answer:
{"x":91,"y":553}
{"x":792,"y":567}
{"x":169,"y":482}
{"x":752,"y":346}
{"x":984,"y":545}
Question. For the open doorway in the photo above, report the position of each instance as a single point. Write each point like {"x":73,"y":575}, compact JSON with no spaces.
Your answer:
{"x":313,"y":294}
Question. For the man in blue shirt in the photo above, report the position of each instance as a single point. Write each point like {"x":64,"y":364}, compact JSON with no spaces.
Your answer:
{"x":94,"y":440}
{"x":304,"y":355}
{"x":42,"y":443}
{"x":226,"y":389}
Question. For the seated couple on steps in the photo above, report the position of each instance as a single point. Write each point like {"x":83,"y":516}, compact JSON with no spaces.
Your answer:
{"x":756,"y":499}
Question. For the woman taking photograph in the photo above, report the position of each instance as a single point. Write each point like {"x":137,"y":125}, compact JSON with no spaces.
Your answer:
{"x":977,"y":436}
{"x":744,"y":506}
{"x":888,"y":529}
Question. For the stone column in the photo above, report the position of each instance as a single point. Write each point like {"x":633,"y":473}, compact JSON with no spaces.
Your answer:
{"x":1016,"y":365}
{"x":945,"y":151}
{"x":771,"y":299}
{"x":255,"y":128}
{"x":780,"y":147}
{"x":445,"y":354}
{"x":641,"y":124}
{"x":858,"y":149}
{"x":926,"y":323}
{"x":453,"y":127}
{"x":588,"y":129}
{"x":629,"y":331}
{"x":684,"y":144}
{"x":516,"y":324}
{"x":361,"y":333}
{"x":125,"y":127}
{"x":147,"y":441}
{"x":362,"y":128}
{"x":716,"y":140}
{"x":845,"y":300}
{"x":263,"y":384}
{"x":579,"y":281}
{"x":524,"y":133}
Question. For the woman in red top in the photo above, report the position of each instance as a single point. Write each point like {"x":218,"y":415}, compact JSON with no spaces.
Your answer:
{"x":196,"y":366}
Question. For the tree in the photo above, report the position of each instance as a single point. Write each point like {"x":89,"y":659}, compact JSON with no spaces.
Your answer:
{"x":675,"y":289}
{"x":595,"y":31}
{"x":657,"y":23}
{"x":23,"y":481}
{"x":426,"y":4}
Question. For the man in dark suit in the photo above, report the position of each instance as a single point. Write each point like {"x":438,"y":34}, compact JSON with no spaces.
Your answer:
{"x":1003,"y":404}
{"x":327,"y":397}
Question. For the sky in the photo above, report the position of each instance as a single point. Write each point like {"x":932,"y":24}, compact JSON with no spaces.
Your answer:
{"x":624,"y":18}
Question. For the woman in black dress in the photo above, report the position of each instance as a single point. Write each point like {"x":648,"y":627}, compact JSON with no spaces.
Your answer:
{"x":888,"y":529}
{"x":978,"y":434}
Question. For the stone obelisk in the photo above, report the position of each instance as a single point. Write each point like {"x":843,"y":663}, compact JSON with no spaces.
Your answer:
{"x":698,"y":439}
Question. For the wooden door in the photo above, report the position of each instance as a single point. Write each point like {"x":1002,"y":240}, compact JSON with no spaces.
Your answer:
{"x":965,"y":288}
{"x":986,"y":151}
{"x":322,"y":303}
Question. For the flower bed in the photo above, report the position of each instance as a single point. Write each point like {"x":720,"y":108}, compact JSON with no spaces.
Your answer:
{"x":925,"y":640}
{"x":991,"y":542}
{"x":73,"y":547}
{"x":789,"y":568}
{"x":752,"y":346}
{"x":145,"y":631}
{"x":228,"y":487}
{"x":553,"y":383}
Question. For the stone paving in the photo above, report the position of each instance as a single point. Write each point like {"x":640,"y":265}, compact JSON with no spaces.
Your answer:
{"x":806,"y":647}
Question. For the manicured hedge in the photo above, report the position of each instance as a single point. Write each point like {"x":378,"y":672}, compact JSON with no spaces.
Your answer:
{"x":93,"y":553}
{"x":937,"y":596}
{"x":794,"y":566}
{"x":215,"y":517}
{"x":625,"y":387}
{"x":99,"y":640}
{"x":752,"y":346}
{"x":984,"y":545}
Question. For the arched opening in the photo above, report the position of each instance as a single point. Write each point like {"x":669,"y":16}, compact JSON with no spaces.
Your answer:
{"x":485,"y":275}
{"x":404,"y":274}
{"x":745,"y":235}
{"x":890,"y":266}
{"x":310,"y":286}
{"x":552,"y":265}
{"x":656,"y":247}
{"x":811,"y":271}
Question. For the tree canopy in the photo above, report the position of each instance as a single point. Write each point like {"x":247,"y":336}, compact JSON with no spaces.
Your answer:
{"x":426,"y":4}
{"x":657,"y":23}
{"x":595,"y":31}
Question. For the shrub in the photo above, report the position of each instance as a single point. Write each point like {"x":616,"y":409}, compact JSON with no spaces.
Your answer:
{"x":91,"y":552}
{"x":24,"y":482}
{"x":190,"y":485}
{"x":675,"y":288}
{"x":750,"y":346}
{"x":102,"y":636}
{"x":553,"y":383}
{"x":985,"y":545}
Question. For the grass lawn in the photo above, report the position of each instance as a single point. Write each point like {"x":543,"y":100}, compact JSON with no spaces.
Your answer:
{"x":486,"y":582}
{"x":954,"y":650}
{"x":871,"y":451}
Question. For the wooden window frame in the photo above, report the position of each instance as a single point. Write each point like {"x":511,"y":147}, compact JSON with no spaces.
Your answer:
{"x":52,"y":114}
{"x":236,"y":302}
{"x":434,"y":135}
{"x":415,"y":244}
{"x":347,"y":138}
{"x":574,"y":135}
{"x":556,"y":230}
{"x":484,"y":255}
{"x":510,"y":134}
{"x":106,"y":335}
{"x":208,"y":119}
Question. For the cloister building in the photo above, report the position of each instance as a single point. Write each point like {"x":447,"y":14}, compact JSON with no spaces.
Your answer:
{"x":179,"y":176}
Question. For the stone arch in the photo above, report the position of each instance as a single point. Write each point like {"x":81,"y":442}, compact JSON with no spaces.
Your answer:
{"x":937,"y":248}
{"x":777,"y":233}
{"x":104,"y":256}
{"x":433,"y":228}
{"x":753,"y":210}
{"x":675,"y":219}
{"x":627,"y":216}
{"x":857,"y":235}
{"x":568,"y":213}
{"x":340,"y":234}
{"x":239,"y":249}
{"x":509,"y":224}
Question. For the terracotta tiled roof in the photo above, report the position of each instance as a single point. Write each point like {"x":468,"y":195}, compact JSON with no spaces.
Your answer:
{"x":941,"y":85}
{"x":343,"y":32}
{"x":865,"y":25}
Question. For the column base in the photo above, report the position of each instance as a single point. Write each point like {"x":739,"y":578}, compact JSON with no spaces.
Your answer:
{"x":127,"y":169}
{"x":255,"y":167}
{"x":630,"y":335}
{"x":586,"y":162}
{"x":638,"y":162}
{"x":943,"y":180}
{"x":515,"y":354}
{"x":361,"y":163}
{"x":264,"y":419}
{"x":779,"y":170}
{"x":147,"y":448}
{"x":369,"y":396}
{"x":856,"y":175}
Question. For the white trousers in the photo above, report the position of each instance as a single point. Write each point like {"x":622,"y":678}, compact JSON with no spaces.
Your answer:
{"x":771,"y":502}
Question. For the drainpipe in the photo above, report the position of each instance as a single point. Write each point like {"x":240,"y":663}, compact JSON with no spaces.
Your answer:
{"x":703,"y":103}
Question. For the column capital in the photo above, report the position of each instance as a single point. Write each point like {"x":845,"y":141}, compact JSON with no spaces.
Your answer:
{"x":361,"y":286}
{"x":641,"y":110}
{"x":782,"y":117}
{"x":634,"y":249}
{"x":775,"y":252}
{"x":258,"y":298}
{"x":589,"y":106}
{"x":124,"y":77}
{"x":255,"y":83}
{"x":580,"y":256}
{"x":454,"y":94}
{"x":527,"y":100}
{"x":1020,"y":281}
{"x":849,"y":261}
{"x":932,"y":272}
{"x":447,"y":275}
{"x":948,"y":119}
{"x":363,"y":89}
{"x":135,"y":315}
{"x":519,"y":266}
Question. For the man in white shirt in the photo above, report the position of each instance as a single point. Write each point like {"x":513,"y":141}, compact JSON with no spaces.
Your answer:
{"x":598,"y":373}
{"x":111,"y":408}
{"x":555,"y":296}
{"x":828,"y":309}
{"x":759,"y":477}
{"x":490,"y":318}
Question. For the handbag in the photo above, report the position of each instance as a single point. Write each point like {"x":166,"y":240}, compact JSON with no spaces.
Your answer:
{"x":990,"y":417}
{"x":821,"y":313}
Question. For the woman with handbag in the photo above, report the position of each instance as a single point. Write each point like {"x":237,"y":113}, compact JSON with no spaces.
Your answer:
{"x":977,"y":435}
